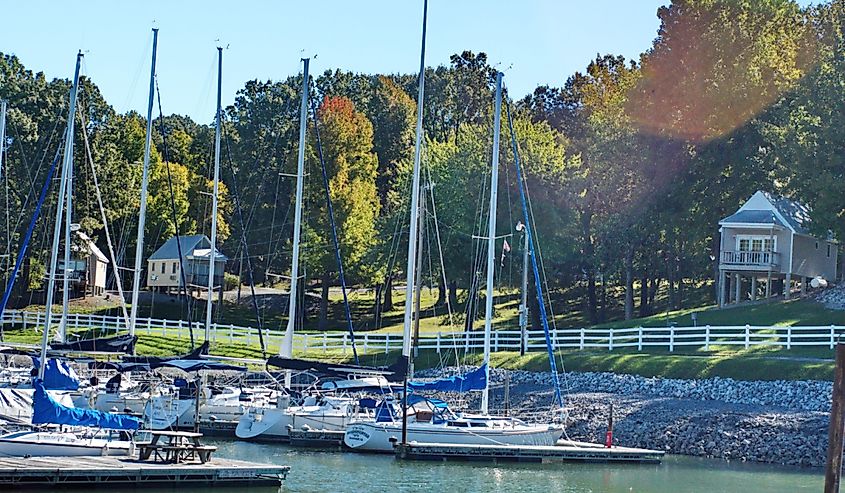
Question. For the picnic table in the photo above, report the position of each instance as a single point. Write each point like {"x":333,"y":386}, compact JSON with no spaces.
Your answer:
{"x":175,"y":447}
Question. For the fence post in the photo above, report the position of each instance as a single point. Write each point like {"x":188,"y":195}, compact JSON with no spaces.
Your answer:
{"x":366,"y":342}
{"x":639,"y":338}
{"x":387,"y":342}
{"x":671,"y":339}
{"x":344,"y":342}
{"x":832,"y":336}
{"x":707,"y":338}
{"x":466,"y":341}
{"x":581,"y":343}
{"x":789,"y":337}
{"x":438,"y":342}
{"x":149,"y":326}
{"x":525,"y":341}
{"x":748,"y":336}
{"x":325,"y":341}
{"x":23,"y":317}
{"x":496,"y":341}
{"x":610,"y":341}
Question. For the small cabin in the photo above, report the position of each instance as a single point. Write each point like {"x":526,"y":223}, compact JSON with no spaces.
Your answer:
{"x":766,"y":249}
{"x":163,"y":266}
{"x":88,"y":267}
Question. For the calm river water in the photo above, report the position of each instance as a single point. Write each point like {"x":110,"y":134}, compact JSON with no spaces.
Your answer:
{"x":320,"y":471}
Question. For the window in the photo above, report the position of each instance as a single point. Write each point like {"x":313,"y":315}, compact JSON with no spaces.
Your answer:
{"x":817,"y":245}
{"x":753,"y":243}
{"x":828,"y":250}
{"x":162,"y":267}
{"x":173,"y":271}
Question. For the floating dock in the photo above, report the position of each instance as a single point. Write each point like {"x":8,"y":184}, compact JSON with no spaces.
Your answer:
{"x":330,"y":439}
{"x":107,"y":472}
{"x":562,"y":452}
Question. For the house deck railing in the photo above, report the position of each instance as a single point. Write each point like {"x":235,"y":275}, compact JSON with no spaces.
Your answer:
{"x":751,"y":259}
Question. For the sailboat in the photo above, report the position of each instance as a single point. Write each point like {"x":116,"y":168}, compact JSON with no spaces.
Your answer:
{"x":431,"y":420}
{"x":321,"y":412}
{"x":45,"y":409}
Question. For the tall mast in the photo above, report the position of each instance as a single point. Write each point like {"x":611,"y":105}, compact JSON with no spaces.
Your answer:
{"x":491,"y":242}
{"x":415,"y":199}
{"x":523,"y":307}
{"x":212,"y":254}
{"x":145,"y":180}
{"x":57,"y":230}
{"x":68,"y":217}
{"x":287,"y":343}
{"x":8,"y":257}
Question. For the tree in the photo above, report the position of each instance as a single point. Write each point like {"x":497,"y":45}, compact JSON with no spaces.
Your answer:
{"x":347,"y":140}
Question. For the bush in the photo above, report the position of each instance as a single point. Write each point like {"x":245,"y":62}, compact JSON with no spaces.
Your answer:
{"x":230,"y":281}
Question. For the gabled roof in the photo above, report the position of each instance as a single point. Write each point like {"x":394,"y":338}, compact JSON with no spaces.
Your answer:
{"x":753,"y":217}
{"x":767,"y":208}
{"x":92,"y":248}
{"x":170,"y":250}
{"x":795,"y":213}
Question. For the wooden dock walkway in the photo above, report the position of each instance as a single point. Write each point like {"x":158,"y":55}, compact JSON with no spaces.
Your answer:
{"x":565,"y":452}
{"x":105,"y":472}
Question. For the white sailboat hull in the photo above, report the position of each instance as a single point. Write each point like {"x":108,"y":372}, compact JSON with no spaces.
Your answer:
{"x":166,"y":412}
{"x":273,"y":423}
{"x":376,"y":437}
{"x":52,"y":444}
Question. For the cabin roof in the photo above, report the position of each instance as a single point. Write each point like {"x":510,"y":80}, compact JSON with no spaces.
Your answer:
{"x":170,"y":249}
{"x":767,"y":208}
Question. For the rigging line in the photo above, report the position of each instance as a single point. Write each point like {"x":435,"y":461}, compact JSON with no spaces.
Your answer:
{"x":115,"y":269}
{"x":442,"y":264}
{"x":31,"y":181}
{"x":334,"y":229}
{"x":246,"y":249}
{"x":174,"y":217}
{"x":27,"y":237}
{"x":538,"y":286}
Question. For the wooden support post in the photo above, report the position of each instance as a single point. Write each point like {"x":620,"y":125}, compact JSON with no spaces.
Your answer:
{"x":737,"y":288}
{"x":754,"y":288}
{"x":836,"y":433}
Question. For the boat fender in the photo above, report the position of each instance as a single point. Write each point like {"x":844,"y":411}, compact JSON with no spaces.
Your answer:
{"x":131,"y":451}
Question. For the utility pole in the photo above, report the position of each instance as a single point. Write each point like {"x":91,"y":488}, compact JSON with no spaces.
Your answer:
{"x":836,"y":433}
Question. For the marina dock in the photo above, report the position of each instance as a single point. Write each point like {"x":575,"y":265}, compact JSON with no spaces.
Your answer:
{"x":88,"y":472}
{"x":562,"y":452}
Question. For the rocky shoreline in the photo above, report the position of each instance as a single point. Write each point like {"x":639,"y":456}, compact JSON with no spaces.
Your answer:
{"x":780,"y":422}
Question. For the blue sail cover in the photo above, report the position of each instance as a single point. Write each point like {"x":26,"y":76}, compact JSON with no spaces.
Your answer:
{"x":474,"y":380}
{"x":45,"y":410}
{"x":58,"y":374}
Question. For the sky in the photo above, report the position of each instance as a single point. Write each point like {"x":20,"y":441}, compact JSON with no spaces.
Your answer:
{"x":533,"y":42}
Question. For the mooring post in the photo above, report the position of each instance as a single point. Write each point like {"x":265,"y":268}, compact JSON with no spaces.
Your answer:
{"x":836,"y":433}
{"x":608,"y":439}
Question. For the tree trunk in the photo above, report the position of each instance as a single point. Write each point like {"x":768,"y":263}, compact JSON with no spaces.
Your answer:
{"x":589,"y":251}
{"x":644,"y":312}
{"x":324,"y":303}
{"x":603,"y":300}
{"x":629,"y":283}
{"x":652,"y":291}
{"x":453,"y":295}
{"x":388,"y":294}
{"x":441,"y":294}
{"x":377,"y":304}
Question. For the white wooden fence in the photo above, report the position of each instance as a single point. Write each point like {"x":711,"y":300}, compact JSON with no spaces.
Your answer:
{"x":669,"y":338}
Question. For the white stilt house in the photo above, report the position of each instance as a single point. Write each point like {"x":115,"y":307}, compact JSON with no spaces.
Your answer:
{"x":767,"y":250}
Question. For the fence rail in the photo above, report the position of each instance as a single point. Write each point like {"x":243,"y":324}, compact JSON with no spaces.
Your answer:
{"x":669,"y":338}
